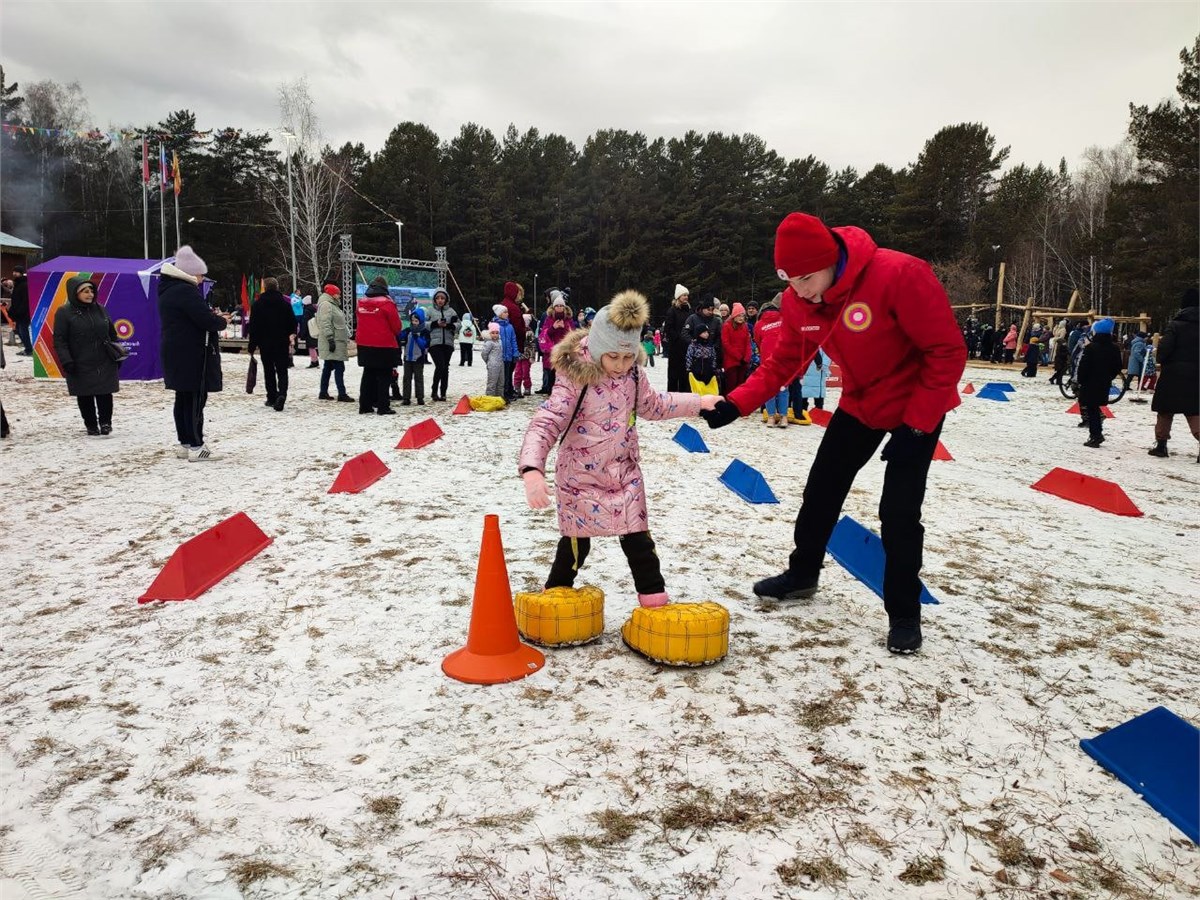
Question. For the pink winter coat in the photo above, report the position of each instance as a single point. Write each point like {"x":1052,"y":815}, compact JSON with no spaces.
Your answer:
{"x":554,"y":329}
{"x":598,"y":479}
{"x":1010,"y":339}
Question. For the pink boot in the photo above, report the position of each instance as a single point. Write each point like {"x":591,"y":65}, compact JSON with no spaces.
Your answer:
{"x":652,"y":600}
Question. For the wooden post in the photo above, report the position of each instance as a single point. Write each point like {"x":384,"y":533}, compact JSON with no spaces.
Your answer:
{"x":999,"y":297}
{"x":1071,"y":305}
{"x":1143,"y":323}
{"x":1025,"y":324}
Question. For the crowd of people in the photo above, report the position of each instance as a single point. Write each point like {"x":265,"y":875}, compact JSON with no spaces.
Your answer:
{"x":881,"y":314}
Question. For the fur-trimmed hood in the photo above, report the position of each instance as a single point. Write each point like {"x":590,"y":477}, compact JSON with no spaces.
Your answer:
{"x":172,"y":271}
{"x":571,"y":359}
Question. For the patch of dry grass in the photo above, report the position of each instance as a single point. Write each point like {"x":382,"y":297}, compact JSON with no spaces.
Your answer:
{"x":68,"y":703}
{"x":506,"y":820}
{"x":836,"y":709}
{"x":704,"y":810}
{"x":248,"y":871}
{"x":385,"y":807}
{"x":616,"y":828}
{"x":923,"y":870}
{"x":818,"y":870}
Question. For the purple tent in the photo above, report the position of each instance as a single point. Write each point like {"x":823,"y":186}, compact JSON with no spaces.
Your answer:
{"x":126,"y":288}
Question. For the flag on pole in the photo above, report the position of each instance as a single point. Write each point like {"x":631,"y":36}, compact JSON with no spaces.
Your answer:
{"x":145,"y":162}
{"x":175,"y":173}
{"x":245,"y":298}
{"x":162,"y":167}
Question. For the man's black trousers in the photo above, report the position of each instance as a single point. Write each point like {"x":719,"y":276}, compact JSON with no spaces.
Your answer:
{"x":847,"y":446}
{"x":275,"y":371}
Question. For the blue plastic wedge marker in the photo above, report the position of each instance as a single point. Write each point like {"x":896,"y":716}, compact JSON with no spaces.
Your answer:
{"x":860,"y":553}
{"x":991,"y":393}
{"x":747,"y":482}
{"x":1157,"y":755}
{"x":1001,"y":386}
{"x":690,"y":440}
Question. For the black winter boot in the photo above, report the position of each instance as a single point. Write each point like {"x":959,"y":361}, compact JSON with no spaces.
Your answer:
{"x":786,"y":587}
{"x":904,"y":636}
{"x":1159,"y":449}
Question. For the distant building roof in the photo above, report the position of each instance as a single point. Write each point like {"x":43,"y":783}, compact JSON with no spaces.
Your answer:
{"x":8,"y":242}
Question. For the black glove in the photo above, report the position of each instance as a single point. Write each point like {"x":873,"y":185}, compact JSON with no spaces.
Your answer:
{"x":332,"y":348}
{"x":721,"y":415}
{"x":907,"y":445}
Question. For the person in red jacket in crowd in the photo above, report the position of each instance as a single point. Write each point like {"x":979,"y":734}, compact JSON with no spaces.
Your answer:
{"x":735,"y":340}
{"x":513,"y":295}
{"x":885,"y":319}
{"x":378,"y":350}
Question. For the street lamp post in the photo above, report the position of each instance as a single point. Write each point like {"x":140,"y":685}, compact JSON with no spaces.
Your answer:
{"x":400,"y":239}
{"x":535,"y":295}
{"x":288,"y":138}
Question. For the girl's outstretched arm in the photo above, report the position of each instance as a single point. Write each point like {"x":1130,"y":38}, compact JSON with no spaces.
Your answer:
{"x":547,"y":426}
{"x":654,"y":405}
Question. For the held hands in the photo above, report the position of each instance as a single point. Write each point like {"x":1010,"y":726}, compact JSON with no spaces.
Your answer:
{"x":721,"y":414}
{"x":536,"y":494}
{"x":709,"y":402}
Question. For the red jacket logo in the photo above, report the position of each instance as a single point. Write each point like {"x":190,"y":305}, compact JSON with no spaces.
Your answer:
{"x":857,"y":317}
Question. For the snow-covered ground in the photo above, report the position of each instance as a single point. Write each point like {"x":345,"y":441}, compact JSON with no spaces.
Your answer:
{"x":291,"y":734}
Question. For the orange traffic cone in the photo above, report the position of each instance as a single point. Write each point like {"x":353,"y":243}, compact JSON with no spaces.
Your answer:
{"x":464,"y":406}
{"x":494,"y":652}
{"x":969,"y":389}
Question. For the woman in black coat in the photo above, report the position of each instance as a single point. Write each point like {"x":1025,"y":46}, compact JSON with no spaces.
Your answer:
{"x":1178,"y":389}
{"x":83,"y":332}
{"x":190,"y":349}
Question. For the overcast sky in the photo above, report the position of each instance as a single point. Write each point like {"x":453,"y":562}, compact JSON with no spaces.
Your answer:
{"x":852,"y":83}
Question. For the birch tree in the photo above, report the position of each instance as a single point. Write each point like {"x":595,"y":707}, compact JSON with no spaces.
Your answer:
{"x":318,"y":194}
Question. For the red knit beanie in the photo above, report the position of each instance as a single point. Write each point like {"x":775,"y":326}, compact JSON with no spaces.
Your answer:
{"x":512,"y":290}
{"x":332,"y":290}
{"x":803,"y":245}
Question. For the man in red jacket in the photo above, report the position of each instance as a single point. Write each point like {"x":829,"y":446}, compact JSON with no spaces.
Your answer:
{"x":378,"y":347}
{"x":885,"y":319}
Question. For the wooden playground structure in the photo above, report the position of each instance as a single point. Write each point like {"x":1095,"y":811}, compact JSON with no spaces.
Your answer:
{"x":1054,"y":313}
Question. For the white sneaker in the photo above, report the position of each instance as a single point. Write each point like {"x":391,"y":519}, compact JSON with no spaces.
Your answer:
{"x":181,"y":451}
{"x":202,"y":454}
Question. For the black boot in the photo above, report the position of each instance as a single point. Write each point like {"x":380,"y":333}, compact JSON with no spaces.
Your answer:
{"x":279,"y":401}
{"x":786,"y":587}
{"x":904,"y":636}
{"x":1159,"y":449}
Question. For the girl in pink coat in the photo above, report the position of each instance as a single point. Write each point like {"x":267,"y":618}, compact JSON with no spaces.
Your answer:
{"x":600,"y":390}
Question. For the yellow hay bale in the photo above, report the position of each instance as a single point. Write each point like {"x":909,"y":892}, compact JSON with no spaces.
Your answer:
{"x":486,"y":404}
{"x":679,"y":634}
{"x":561,"y":616}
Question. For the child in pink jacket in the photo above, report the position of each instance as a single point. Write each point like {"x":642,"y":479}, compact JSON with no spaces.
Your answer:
{"x":600,"y":390}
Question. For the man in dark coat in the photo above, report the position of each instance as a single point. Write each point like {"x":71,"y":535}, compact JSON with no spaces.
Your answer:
{"x":273,"y":333}
{"x":677,"y":341}
{"x":1178,"y":388}
{"x":19,"y":309}
{"x":1099,"y":364}
{"x":189,"y":348}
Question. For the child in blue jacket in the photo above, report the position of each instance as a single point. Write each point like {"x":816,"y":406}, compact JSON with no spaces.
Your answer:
{"x":508,"y":345}
{"x":414,"y":342}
